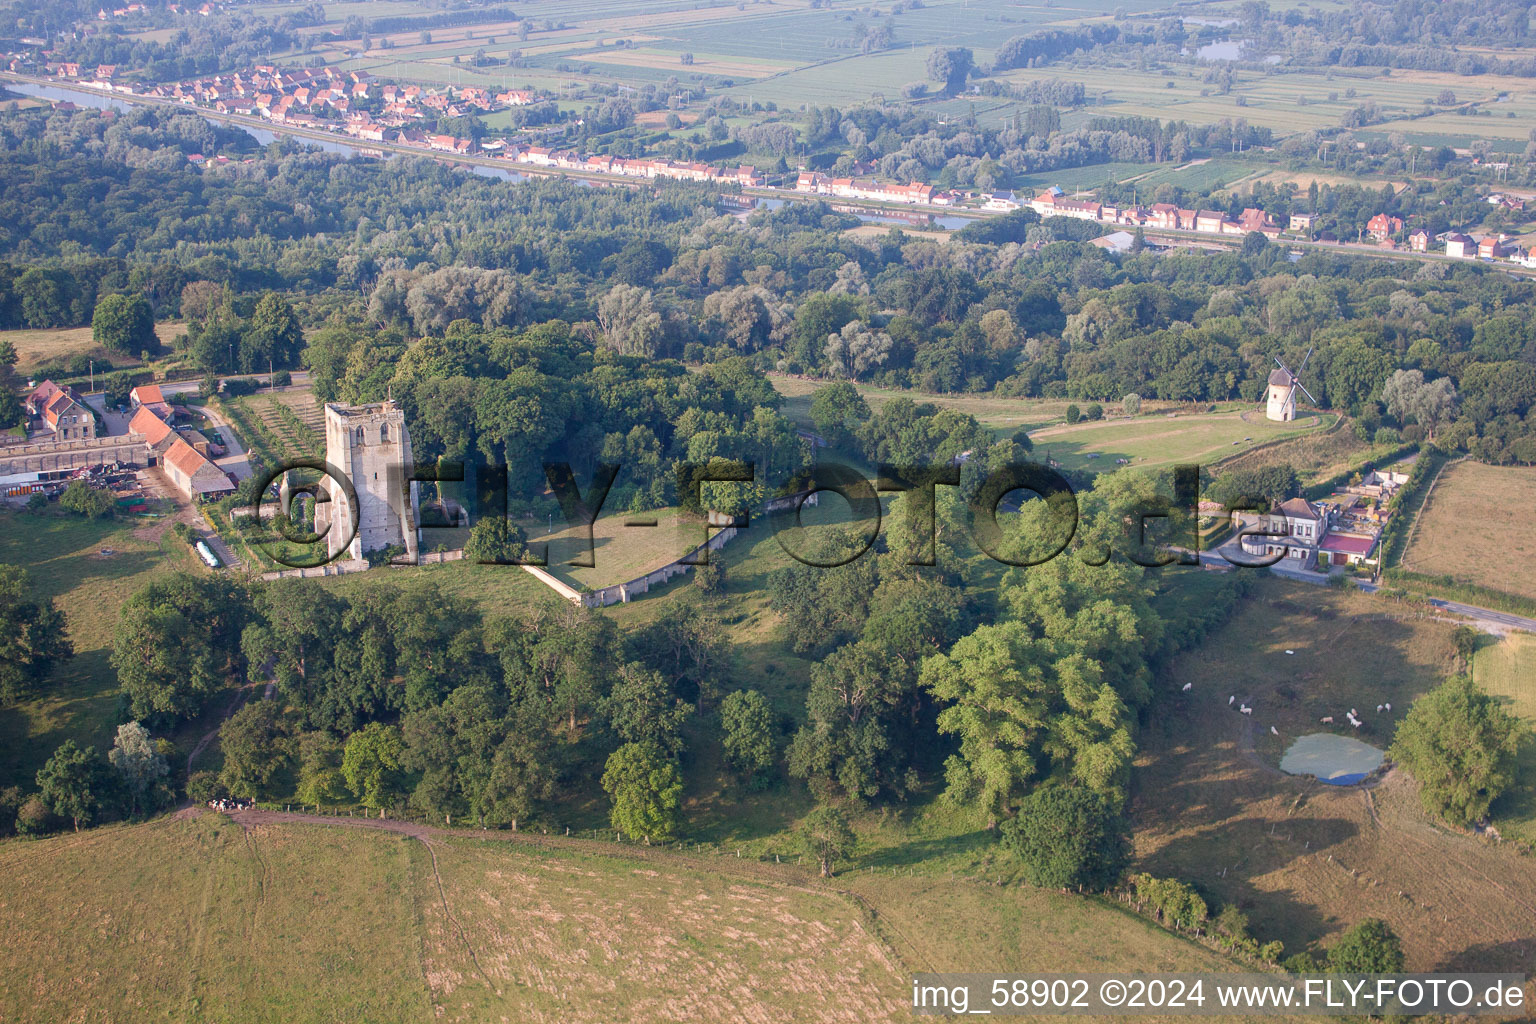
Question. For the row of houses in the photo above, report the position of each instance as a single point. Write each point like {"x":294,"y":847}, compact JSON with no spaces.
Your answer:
{"x":863,"y":188}
{"x":1053,"y":202}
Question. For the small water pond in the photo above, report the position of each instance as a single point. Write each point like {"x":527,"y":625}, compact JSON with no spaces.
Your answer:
{"x":1334,"y":759}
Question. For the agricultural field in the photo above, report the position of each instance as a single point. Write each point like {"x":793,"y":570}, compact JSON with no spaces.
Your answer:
{"x":1306,"y":860}
{"x":1475,"y":528}
{"x":291,"y":921}
{"x":35,"y":347}
{"x":288,"y":424}
{"x":90,"y":567}
{"x":1505,"y":667}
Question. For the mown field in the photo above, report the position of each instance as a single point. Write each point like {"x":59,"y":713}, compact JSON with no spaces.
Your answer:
{"x":1506,"y":669}
{"x":90,"y":567}
{"x":1475,"y":528}
{"x":1303,"y":859}
{"x":199,"y":919}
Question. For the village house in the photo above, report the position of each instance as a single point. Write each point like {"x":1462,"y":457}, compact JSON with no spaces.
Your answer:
{"x":1491,"y":247}
{"x":1382,"y":226}
{"x":1419,"y":240}
{"x":1293,"y":529}
{"x":62,"y":411}
{"x":1459,"y":246}
{"x":148,"y":396}
{"x":1301,"y":222}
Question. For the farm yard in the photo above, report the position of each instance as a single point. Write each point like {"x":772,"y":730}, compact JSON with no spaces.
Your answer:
{"x":1305,"y":858}
{"x":1475,"y":528}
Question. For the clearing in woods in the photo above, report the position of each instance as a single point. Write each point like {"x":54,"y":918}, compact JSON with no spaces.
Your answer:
{"x":1475,"y":528}
{"x":283,"y":920}
{"x":1306,"y":860}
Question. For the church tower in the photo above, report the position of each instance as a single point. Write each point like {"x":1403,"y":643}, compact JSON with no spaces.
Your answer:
{"x":370,"y":446}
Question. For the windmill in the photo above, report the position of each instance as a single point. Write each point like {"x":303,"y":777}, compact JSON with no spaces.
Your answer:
{"x":1281,"y":405}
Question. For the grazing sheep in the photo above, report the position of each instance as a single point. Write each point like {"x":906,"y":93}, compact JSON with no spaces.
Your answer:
{"x":1245,"y":709}
{"x":1188,"y":686}
{"x":1327,"y":720}
{"x":1378,"y":709}
{"x":1231,"y":699}
{"x":1388,"y":706}
{"x":1273,"y":731}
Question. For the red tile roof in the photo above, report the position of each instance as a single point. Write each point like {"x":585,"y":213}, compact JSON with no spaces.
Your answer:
{"x":1348,"y":545}
{"x":147,"y":393}
{"x":185,"y":458}
{"x":151,"y":426}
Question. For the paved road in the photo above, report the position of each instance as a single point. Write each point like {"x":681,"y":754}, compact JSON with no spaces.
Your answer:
{"x":1493,"y":621}
{"x":236,"y":461}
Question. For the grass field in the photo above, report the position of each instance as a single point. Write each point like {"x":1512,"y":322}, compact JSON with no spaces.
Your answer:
{"x":1506,"y":668}
{"x":1315,"y":456}
{"x":64,"y":555}
{"x":35,"y":347}
{"x":619,"y":552}
{"x":199,"y":919}
{"x":1303,"y":859}
{"x":1475,"y":528}
{"x":1149,"y":441}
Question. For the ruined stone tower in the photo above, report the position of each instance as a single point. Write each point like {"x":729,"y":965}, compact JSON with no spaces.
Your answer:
{"x":369,"y":444}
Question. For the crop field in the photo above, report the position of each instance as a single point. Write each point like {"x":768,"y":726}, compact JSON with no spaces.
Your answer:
{"x":1506,"y":669}
{"x":1475,"y":528}
{"x":1151,"y":440}
{"x":35,"y":347}
{"x":1305,"y":860}
{"x":289,"y":424}
{"x":91,"y":567}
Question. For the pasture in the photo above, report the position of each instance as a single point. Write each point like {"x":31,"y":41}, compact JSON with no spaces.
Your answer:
{"x":1303,"y":859}
{"x":90,"y":567}
{"x":1506,"y":669}
{"x":1475,"y":528}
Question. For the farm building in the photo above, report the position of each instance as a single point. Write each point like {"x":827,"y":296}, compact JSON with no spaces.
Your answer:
{"x":194,"y":476}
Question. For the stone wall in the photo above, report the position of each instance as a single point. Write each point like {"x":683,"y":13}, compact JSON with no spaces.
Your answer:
{"x":49,"y":456}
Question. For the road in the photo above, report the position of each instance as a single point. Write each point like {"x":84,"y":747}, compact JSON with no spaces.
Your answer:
{"x":1492,"y":621}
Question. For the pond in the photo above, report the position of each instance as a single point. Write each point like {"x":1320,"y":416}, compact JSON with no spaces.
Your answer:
{"x":1331,"y":758}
